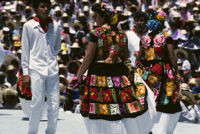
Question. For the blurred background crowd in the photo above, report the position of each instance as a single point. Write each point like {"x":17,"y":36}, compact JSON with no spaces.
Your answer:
{"x":75,"y":19}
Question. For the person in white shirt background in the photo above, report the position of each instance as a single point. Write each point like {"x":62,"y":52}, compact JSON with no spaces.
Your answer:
{"x":41,"y":42}
{"x":134,"y":35}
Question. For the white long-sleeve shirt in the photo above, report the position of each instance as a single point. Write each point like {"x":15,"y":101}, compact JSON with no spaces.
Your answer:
{"x":133,"y":44}
{"x":39,"y":49}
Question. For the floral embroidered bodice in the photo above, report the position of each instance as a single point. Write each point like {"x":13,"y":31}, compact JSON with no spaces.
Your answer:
{"x":110,"y":45}
{"x":153,"y":47}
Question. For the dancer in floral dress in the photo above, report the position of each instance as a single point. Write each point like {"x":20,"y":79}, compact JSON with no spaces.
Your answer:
{"x":157,"y":66}
{"x":111,"y":96}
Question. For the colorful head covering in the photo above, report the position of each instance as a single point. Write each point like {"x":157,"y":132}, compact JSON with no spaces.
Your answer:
{"x":156,"y":21}
{"x":106,"y":10}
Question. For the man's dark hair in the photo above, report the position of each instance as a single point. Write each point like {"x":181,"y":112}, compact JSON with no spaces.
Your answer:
{"x":141,"y":14}
{"x":36,"y":3}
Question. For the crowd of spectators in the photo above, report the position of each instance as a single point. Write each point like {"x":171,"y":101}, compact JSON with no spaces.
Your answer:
{"x":75,"y":19}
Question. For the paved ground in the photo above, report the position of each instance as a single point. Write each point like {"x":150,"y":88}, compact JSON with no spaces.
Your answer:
{"x":15,"y":122}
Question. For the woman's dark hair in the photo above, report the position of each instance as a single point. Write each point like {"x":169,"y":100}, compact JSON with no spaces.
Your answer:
{"x":36,"y":3}
{"x":141,"y":14}
{"x":97,"y":8}
{"x":108,"y":12}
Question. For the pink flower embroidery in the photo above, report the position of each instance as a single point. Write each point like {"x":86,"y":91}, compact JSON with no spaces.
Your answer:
{"x":162,"y":13}
{"x":92,"y":108}
{"x":116,"y":81}
{"x":170,"y":74}
{"x":145,"y":40}
{"x":92,"y":80}
{"x":159,"y":40}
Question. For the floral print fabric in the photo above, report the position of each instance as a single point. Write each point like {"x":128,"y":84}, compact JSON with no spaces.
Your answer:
{"x":115,"y":92}
{"x":110,"y":45}
{"x":155,"y":69}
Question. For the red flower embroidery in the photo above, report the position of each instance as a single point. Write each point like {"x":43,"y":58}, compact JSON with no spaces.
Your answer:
{"x":167,"y":66}
{"x":157,"y":69}
{"x":126,"y":95}
{"x":85,"y":107}
{"x":85,"y":95}
{"x":94,"y":94}
{"x":107,"y":95}
{"x":99,"y":28}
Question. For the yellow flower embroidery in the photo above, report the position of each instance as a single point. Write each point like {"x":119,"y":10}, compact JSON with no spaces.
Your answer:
{"x":109,"y":39}
{"x":170,"y":87}
{"x":149,"y":54}
{"x":160,"y":17}
{"x":102,"y":81}
{"x":117,"y":38}
{"x":103,"y":109}
{"x":140,"y":90}
{"x":140,"y":71}
{"x":152,"y":79}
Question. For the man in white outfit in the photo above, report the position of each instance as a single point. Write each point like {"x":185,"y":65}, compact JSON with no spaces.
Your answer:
{"x":134,"y":35}
{"x":41,"y":43}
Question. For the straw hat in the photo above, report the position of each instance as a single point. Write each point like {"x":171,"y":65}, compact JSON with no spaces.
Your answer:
{"x":195,"y":9}
{"x":198,"y":70}
{"x":6,"y":29}
{"x":133,"y":6}
{"x":85,"y":1}
{"x":119,"y":9}
{"x":184,"y":31}
{"x":175,"y":14}
{"x":197,"y":28}
{"x":126,"y":13}
{"x":75,"y":45}
{"x":192,"y":81}
{"x":166,"y":6}
{"x":86,"y":9}
{"x":191,"y":19}
{"x":20,"y":3}
{"x":65,"y":15}
{"x":10,"y":68}
{"x":185,"y":87}
{"x":16,"y":37}
{"x":19,"y":51}
{"x":183,"y":5}
{"x":7,"y":6}
{"x":65,"y":25}
{"x":77,"y":23}
{"x":181,"y":50}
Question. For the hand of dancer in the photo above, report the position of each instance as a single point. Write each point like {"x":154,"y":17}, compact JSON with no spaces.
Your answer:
{"x":26,"y":80}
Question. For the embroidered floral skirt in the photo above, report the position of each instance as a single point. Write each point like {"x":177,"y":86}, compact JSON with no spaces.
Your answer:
{"x":111,"y":92}
{"x":160,"y":78}
{"x":23,"y":91}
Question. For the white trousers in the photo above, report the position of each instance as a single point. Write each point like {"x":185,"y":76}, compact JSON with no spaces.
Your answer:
{"x":41,"y":86}
{"x":165,"y":123}
{"x":26,"y":108}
